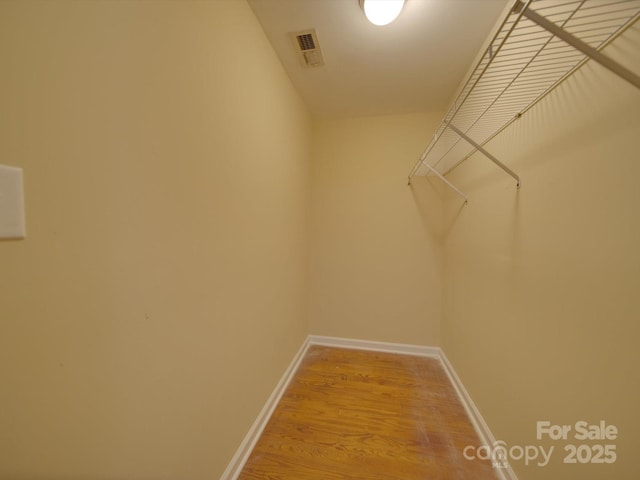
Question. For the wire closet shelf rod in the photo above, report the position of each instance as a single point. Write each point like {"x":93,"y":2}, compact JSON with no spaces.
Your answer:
{"x":537,"y":46}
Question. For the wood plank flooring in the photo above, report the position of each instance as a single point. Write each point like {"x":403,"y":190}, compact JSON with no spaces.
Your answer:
{"x":351,"y":414}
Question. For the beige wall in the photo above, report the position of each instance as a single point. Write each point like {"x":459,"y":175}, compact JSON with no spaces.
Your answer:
{"x":161,"y":290}
{"x":541,"y":285}
{"x":165,"y":157}
{"x":376,"y":258}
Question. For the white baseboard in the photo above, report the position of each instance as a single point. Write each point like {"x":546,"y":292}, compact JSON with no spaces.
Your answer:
{"x":402,"y":348}
{"x":244,"y":450}
{"x":480,"y":426}
{"x":484,"y":433}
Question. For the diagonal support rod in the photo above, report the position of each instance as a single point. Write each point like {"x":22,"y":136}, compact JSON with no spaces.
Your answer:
{"x":479,"y":148}
{"x":447,"y":182}
{"x":578,"y":44}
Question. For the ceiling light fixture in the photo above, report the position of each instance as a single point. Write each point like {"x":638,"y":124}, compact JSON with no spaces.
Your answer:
{"x":381,"y":12}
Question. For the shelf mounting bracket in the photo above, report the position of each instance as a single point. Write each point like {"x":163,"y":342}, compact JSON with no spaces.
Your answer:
{"x":479,"y":148}
{"x":441,"y":177}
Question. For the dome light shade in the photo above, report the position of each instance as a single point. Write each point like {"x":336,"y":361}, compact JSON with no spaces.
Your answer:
{"x":381,"y":12}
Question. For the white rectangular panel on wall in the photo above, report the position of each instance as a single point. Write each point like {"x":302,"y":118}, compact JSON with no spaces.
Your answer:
{"x":11,"y":203}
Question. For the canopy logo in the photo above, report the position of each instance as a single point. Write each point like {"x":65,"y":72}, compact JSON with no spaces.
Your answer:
{"x":500,"y":454}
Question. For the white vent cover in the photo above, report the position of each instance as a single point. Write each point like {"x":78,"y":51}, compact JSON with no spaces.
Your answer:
{"x":306,"y":44}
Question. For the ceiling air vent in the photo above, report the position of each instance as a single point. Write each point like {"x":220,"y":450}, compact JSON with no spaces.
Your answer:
{"x":308,"y":48}
{"x":306,"y":42}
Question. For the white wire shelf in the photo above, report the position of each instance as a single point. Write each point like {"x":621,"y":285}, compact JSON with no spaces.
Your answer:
{"x":538,"y":44}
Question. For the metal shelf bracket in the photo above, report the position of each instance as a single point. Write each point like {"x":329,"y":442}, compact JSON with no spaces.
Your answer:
{"x":480,"y":149}
{"x":446,"y":182}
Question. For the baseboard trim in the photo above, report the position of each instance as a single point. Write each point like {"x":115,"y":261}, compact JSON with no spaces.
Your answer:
{"x":480,"y":426}
{"x":241,"y":456}
{"x":484,"y":433}
{"x":375,"y":346}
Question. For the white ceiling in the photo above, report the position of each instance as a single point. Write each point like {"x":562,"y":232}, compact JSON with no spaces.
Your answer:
{"x":413,"y":64}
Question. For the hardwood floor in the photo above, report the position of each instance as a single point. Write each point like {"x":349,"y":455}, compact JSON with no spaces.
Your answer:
{"x":351,"y":414}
